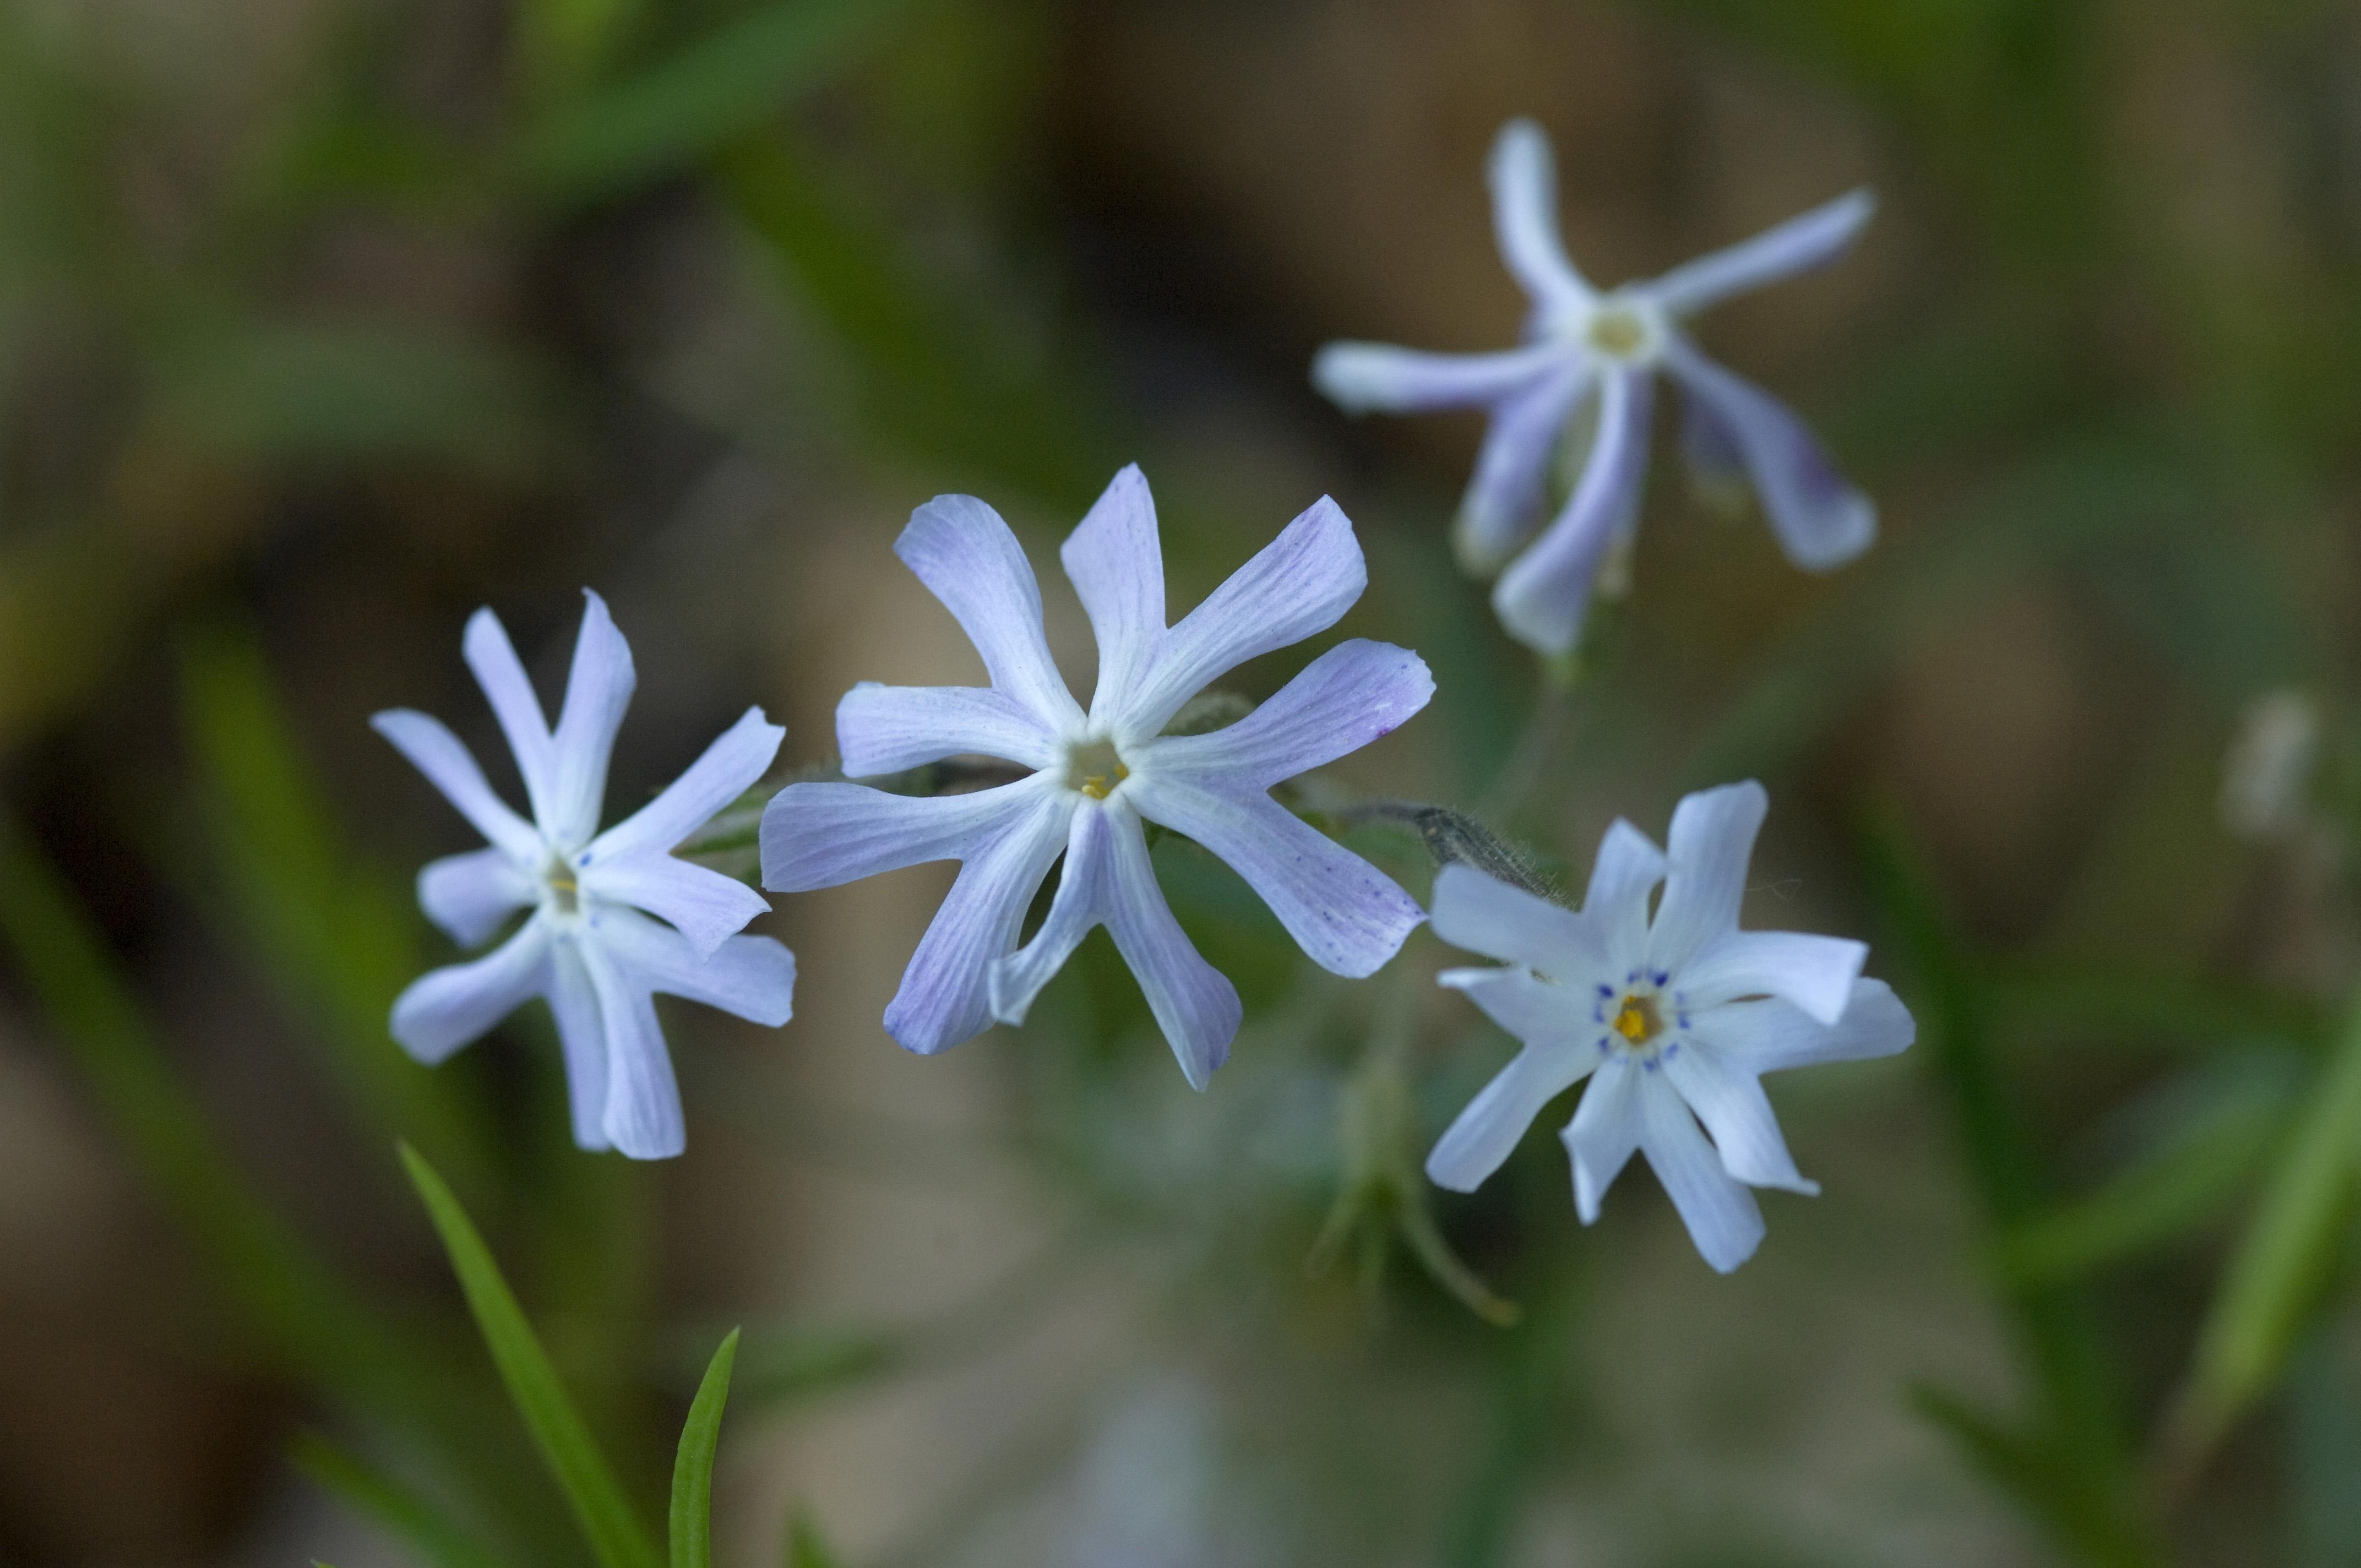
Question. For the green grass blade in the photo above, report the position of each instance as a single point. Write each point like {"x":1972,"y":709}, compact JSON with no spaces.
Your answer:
{"x":692,"y":1470}
{"x":614,"y":1532}
{"x":2273,"y":1285}
{"x":408,"y":1517}
{"x":806,"y":1546}
{"x":707,"y":94}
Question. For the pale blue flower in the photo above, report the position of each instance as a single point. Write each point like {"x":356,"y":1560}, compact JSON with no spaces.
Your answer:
{"x":589,"y":949}
{"x":1592,"y":355}
{"x":1094,"y":777}
{"x":1673,"y":1020}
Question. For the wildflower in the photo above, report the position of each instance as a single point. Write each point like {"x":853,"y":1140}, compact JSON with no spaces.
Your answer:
{"x":1594,"y":353}
{"x":1094,"y":776}
{"x":1674,"y":1020}
{"x":589,"y":949}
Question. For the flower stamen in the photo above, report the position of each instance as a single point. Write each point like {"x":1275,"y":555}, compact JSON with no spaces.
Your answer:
{"x":1638,"y":1021}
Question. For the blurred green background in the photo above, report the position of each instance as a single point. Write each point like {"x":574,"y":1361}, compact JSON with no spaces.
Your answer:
{"x":323,"y":322}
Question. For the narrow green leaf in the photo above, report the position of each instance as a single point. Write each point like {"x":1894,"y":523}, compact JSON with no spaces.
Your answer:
{"x":407,"y":1515}
{"x":806,"y":1548}
{"x":2043,"y":1483}
{"x":703,"y":95}
{"x":692,"y":1470}
{"x":599,"y":1506}
{"x":2272,"y":1287}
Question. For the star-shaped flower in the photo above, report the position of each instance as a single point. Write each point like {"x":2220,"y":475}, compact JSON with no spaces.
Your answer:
{"x":1594,"y":353}
{"x":1674,"y":1020}
{"x":589,"y":949}
{"x":1095,"y":776}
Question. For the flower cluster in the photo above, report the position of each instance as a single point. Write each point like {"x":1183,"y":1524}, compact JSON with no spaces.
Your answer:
{"x":1672,"y":1018}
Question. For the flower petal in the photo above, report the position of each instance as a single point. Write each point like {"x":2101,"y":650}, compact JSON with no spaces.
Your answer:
{"x":1361,"y":378}
{"x":1615,"y":905}
{"x":433,"y":751}
{"x":597,"y":690}
{"x":1813,"y":239}
{"x":1821,"y":520}
{"x":728,"y":768}
{"x":1526,"y":1005}
{"x":706,"y":906}
{"x":1712,"y":839}
{"x":1117,"y":566}
{"x":1079,"y":905}
{"x":1511,"y":483}
{"x":1765,"y":1036}
{"x":884,"y":729}
{"x":1542,"y":598}
{"x":1730,"y":1102}
{"x":469,"y":895}
{"x":1300,"y":582}
{"x":1486,"y":915}
{"x":582,"y":1034}
{"x":944,"y":996}
{"x":967,"y":557}
{"x":1813,"y":973}
{"x":1523,"y":177}
{"x":1605,"y":1131}
{"x":1193,"y":1003}
{"x":1350,"y":696}
{"x":753,"y":978}
{"x":1347,"y":915}
{"x":447,"y":1008}
{"x":1718,"y":1210}
{"x":493,"y":658}
{"x":643,"y":1119}
{"x":1483,"y":1134}
{"x":821,"y":835}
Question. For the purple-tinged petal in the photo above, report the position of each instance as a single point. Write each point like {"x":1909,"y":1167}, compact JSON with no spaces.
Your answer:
{"x":1117,"y":567}
{"x":704,"y":905}
{"x":1348,"y":917}
{"x":1362,"y":378}
{"x":643,"y":1118}
{"x":1193,"y":1003}
{"x":1821,"y":520}
{"x":1483,"y":1134}
{"x":884,"y":729}
{"x":1767,"y":1035}
{"x":820,"y":835}
{"x":447,"y":1008}
{"x":944,"y":996}
{"x":1350,"y":696}
{"x":582,"y":1035}
{"x":433,"y":751}
{"x":967,"y":557}
{"x":1712,"y":841}
{"x":1605,"y":1130}
{"x":1486,"y":915}
{"x":1799,"y":245}
{"x":470,"y":895}
{"x":753,"y":978}
{"x":1506,"y":493}
{"x":1718,"y":1210}
{"x":1715,"y":457}
{"x":597,"y":690}
{"x":1815,"y":974}
{"x":728,"y":768}
{"x":1615,"y":905}
{"x":1542,"y":598}
{"x":1731,"y":1104}
{"x":1300,"y":582}
{"x":1079,"y":905}
{"x":1523,"y":177}
{"x":493,"y":658}
{"x":1527,"y":1007}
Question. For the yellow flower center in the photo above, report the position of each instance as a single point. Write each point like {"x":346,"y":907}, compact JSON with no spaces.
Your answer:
{"x":1095,"y":768}
{"x":563,"y":884}
{"x":1637,"y":1020}
{"x":1617,"y":333}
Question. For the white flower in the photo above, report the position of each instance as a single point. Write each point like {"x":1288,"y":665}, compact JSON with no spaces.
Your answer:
{"x":1674,"y":1020}
{"x":2268,"y":774}
{"x":1585,"y":348}
{"x":588,"y":947}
